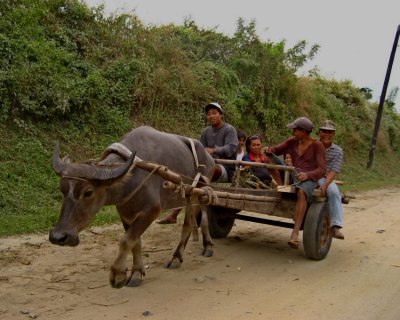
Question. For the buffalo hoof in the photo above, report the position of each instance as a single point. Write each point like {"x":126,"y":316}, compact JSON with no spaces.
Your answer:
{"x":173,"y":264}
{"x":134,"y":282}
{"x":136,"y":279}
{"x":118,"y":279}
{"x":208,"y":252}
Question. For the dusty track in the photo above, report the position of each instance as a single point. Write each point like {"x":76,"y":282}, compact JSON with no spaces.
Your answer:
{"x":253,"y":274}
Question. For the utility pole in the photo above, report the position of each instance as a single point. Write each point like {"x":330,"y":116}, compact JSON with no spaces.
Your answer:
{"x":382,"y":100}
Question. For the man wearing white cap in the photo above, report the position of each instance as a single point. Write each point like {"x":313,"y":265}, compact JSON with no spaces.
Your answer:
{"x":308,"y":157}
{"x":334,"y":158}
{"x":220,"y":141}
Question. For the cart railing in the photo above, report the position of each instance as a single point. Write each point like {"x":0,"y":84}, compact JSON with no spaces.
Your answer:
{"x":287,"y":169}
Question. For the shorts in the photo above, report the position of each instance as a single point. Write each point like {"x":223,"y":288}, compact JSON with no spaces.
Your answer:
{"x":224,"y":174}
{"x":308,"y":187}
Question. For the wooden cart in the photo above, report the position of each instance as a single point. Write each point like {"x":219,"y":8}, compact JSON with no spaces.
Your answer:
{"x":316,"y":233}
{"x":229,"y":203}
{"x":226,"y":203}
{"x":241,"y":203}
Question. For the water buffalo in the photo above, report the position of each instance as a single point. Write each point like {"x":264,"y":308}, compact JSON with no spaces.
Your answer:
{"x":137,"y":194}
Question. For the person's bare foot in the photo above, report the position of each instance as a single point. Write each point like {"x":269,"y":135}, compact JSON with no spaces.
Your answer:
{"x":170,"y":218}
{"x":165,"y":221}
{"x":294,"y":240}
{"x":293,"y":243}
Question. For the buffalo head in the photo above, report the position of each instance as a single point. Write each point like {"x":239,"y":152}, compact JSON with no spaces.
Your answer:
{"x":83,"y":187}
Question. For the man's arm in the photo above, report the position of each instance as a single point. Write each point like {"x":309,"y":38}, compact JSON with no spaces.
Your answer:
{"x":203,"y":137}
{"x":328,"y":179}
{"x":228,"y":150}
{"x":280,"y":148}
{"x":334,"y":165}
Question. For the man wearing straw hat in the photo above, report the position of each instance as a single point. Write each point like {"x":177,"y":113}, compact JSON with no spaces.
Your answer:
{"x":334,"y":158}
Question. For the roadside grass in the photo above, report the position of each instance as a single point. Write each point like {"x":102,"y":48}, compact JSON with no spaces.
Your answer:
{"x":29,"y":197}
{"x":384,"y":172}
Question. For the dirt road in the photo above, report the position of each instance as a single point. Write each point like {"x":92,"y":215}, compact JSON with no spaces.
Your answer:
{"x":253,"y":274}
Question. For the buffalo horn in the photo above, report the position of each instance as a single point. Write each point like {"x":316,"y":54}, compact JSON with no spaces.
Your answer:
{"x":89,"y":171}
{"x":58,"y":165}
{"x":104,"y":174}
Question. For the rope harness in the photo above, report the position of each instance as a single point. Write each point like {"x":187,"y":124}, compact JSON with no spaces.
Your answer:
{"x":125,"y":153}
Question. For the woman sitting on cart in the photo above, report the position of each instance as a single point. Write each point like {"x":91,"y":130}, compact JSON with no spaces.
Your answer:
{"x":255,"y":154}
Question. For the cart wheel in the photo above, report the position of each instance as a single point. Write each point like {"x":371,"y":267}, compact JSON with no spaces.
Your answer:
{"x":317,"y":238}
{"x":220,"y":221}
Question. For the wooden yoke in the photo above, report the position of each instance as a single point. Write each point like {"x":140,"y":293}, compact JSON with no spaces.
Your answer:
{"x":161,"y":170}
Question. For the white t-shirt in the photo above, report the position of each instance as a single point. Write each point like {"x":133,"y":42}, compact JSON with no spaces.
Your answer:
{"x":239,"y":156}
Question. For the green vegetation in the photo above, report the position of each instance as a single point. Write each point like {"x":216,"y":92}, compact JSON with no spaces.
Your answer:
{"x":69,"y":73}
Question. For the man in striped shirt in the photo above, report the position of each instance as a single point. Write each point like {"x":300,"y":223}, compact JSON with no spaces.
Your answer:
{"x":334,"y":158}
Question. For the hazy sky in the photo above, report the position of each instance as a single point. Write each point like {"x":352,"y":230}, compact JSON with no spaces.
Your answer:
{"x":356,"y":36}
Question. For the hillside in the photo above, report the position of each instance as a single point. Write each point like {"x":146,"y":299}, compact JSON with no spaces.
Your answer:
{"x":70,"y":74}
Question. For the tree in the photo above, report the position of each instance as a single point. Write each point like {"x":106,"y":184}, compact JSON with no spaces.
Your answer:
{"x":367,"y":92}
{"x":390,"y":100}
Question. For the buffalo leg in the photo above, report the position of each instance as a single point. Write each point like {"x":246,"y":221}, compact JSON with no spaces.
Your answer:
{"x":191,"y":211}
{"x":137,"y":272}
{"x":130,"y":242}
{"x":207,"y":241}
{"x":118,"y":277}
{"x":177,"y":257}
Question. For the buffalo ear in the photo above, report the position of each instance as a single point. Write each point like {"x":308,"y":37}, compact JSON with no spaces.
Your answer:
{"x":133,"y":155}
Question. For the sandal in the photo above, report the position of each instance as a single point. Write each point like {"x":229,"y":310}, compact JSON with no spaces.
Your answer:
{"x":293,"y":243}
